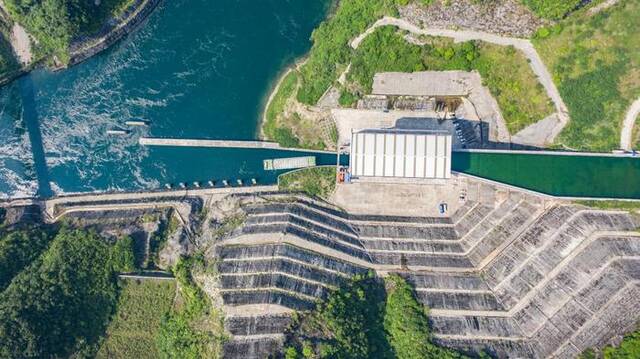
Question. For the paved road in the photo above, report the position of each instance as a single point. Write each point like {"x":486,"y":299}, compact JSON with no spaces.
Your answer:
{"x":525,"y":46}
{"x":626,"y":137}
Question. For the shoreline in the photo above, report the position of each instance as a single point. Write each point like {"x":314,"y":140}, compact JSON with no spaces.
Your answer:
{"x":131,"y":18}
{"x":127,"y":23}
{"x":294,"y":65}
{"x":272,"y":93}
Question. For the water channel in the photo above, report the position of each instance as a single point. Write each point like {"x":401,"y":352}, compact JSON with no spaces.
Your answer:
{"x":198,"y":69}
{"x":195,"y":69}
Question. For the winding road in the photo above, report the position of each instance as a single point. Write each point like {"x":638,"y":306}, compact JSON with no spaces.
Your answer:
{"x":525,"y":46}
{"x":626,"y":137}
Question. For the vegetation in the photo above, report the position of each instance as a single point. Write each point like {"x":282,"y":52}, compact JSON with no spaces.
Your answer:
{"x":315,"y":182}
{"x":180,"y":334}
{"x":55,"y":23}
{"x":8,"y":62}
{"x":18,"y":249}
{"x":331,"y":52}
{"x":624,"y":205}
{"x":132,"y":331}
{"x":59,"y":305}
{"x":406,"y":324}
{"x":504,"y":70}
{"x":347,"y":98}
{"x":628,"y":348}
{"x":363,"y":320}
{"x":122,"y":255}
{"x":552,"y":9}
{"x":348,"y":325}
{"x":289,"y":130}
{"x":272,"y":129}
{"x":167,"y":228}
{"x":594,"y":62}
{"x":229,"y":224}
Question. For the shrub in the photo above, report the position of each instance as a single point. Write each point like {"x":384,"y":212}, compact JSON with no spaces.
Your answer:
{"x":122,"y":255}
{"x":17,"y":250}
{"x":552,"y":9}
{"x":315,"y":182}
{"x":331,"y":51}
{"x":61,"y":303}
{"x":406,"y":324}
{"x":347,"y":99}
{"x":361,"y":320}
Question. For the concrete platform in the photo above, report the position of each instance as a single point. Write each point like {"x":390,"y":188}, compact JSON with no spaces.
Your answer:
{"x":402,"y":197}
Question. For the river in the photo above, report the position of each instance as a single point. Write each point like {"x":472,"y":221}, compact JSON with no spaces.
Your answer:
{"x":195,"y":69}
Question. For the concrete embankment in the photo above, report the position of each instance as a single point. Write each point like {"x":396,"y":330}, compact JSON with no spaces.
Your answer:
{"x":180,"y":142}
{"x":184,"y":142}
{"x":113,"y":31}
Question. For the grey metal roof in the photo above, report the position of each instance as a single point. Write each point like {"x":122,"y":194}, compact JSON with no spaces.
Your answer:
{"x":406,"y":154}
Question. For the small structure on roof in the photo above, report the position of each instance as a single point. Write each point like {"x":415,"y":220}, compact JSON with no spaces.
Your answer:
{"x":400,"y":154}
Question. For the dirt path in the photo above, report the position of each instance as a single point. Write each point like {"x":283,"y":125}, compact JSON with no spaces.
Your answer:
{"x":626,"y":137}
{"x":605,"y":5}
{"x":21,"y":44}
{"x":20,"y":41}
{"x":525,"y":46}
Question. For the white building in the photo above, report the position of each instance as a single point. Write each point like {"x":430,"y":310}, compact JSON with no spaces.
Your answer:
{"x":400,"y":153}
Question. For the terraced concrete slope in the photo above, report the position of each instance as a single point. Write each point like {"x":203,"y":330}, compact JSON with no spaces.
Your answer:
{"x":516,"y":276}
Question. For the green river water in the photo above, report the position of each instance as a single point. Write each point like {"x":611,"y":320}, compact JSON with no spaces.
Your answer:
{"x":203,"y":69}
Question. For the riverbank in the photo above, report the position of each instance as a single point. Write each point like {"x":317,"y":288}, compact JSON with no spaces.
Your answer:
{"x":81,"y":49}
{"x":114,"y":30}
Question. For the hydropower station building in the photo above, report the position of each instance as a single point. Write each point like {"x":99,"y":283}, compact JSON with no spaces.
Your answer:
{"x":400,"y":154}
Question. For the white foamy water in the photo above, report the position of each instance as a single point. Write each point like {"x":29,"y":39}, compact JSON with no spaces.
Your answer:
{"x":17,"y":178}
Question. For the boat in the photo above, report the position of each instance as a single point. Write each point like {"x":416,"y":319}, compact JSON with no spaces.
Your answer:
{"x":289,"y":163}
{"x":117,"y":132}
{"x":136,"y":123}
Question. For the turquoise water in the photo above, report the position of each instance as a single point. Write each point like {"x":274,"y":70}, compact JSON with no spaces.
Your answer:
{"x":567,"y":176}
{"x":196,"y":69}
{"x":201,"y":69}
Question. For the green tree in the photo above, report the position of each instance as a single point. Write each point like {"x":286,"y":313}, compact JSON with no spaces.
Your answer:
{"x":406,"y":324}
{"x":122,"y":255}
{"x":552,"y":9}
{"x":61,"y":303}
{"x":17,"y":250}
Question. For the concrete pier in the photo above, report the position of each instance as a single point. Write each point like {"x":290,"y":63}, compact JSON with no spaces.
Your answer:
{"x":151,"y":141}
{"x":184,"y":142}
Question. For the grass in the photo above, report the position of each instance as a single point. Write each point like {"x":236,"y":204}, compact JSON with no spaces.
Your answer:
{"x":315,"y":182}
{"x":552,"y":9}
{"x":194,"y":328}
{"x":628,"y":348}
{"x":366,"y":317}
{"x":595,"y":64}
{"x":131,"y":333}
{"x":289,"y":130}
{"x":331,"y":52}
{"x":504,"y":70}
{"x":56,"y":23}
{"x":278,"y":102}
{"x":624,"y":205}
{"x":228,"y":225}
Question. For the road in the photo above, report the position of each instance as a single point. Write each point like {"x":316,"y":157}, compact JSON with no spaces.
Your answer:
{"x":626,"y":137}
{"x":525,"y":46}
